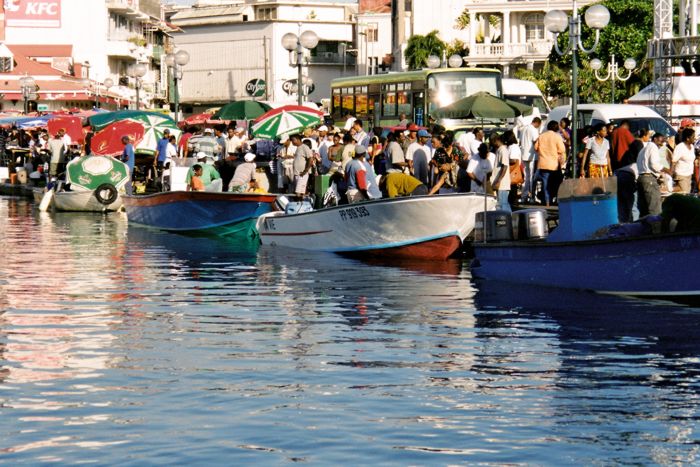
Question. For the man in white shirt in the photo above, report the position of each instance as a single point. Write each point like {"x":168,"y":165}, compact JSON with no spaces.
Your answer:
{"x":476,"y":142}
{"x":349,"y":120}
{"x":417,"y":156}
{"x":528,"y":136}
{"x":683,"y":160}
{"x":650,"y":172}
{"x":361,"y":137}
{"x":324,"y":142}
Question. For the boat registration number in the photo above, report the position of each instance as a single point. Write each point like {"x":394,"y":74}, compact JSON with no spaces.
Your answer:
{"x":353,"y":213}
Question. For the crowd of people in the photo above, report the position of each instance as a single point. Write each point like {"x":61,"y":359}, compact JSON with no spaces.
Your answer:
{"x":522,"y":165}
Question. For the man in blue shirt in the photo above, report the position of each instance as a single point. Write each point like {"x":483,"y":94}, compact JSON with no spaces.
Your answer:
{"x":162,"y":152}
{"x":129,"y":158}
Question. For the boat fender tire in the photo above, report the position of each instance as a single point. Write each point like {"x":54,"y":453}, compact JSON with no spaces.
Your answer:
{"x":106,"y":194}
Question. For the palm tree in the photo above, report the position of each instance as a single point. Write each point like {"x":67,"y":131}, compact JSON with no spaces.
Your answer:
{"x":419,"y":48}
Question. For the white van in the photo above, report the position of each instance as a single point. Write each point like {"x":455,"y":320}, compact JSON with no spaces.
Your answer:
{"x":638,"y":116}
{"x":526,"y":92}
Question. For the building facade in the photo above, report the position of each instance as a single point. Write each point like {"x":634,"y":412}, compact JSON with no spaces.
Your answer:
{"x":92,"y":40}
{"x":506,"y":34}
{"x":235,"y":43}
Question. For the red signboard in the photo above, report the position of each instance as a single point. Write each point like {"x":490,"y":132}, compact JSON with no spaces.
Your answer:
{"x":33,"y":13}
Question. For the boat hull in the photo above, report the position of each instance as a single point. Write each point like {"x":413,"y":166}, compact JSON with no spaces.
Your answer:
{"x":422,"y":227}
{"x":201,"y":213}
{"x":653,"y":266}
{"x":83,"y":201}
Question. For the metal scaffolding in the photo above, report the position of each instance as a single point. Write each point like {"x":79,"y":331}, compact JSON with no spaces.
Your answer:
{"x":666,"y":50}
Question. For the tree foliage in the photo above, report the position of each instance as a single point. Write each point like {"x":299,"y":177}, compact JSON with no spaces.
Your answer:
{"x":631,"y":26}
{"x":419,"y":48}
{"x":456,"y":47}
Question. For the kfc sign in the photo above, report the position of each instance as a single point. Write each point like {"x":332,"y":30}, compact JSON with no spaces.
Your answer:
{"x":33,"y":13}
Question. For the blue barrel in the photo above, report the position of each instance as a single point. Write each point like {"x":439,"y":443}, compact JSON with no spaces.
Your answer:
{"x":581,"y":216}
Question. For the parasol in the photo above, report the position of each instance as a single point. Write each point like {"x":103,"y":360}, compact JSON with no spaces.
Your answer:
{"x":242,"y":110}
{"x":101,"y":120}
{"x":482,"y":105}
{"x":73,"y":126}
{"x":154,"y":126}
{"x":108,"y":141}
{"x":89,"y":172}
{"x":285,"y":120}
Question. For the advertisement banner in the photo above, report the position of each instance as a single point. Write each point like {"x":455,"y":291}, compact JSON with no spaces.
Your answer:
{"x":32,"y":13}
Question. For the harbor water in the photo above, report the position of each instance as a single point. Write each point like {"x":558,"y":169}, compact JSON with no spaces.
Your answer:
{"x":121,"y":345}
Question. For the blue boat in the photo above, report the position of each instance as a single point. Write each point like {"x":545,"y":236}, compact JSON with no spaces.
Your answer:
{"x":647,"y":265}
{"x":654,"y":266}
{"x":199,"y":212}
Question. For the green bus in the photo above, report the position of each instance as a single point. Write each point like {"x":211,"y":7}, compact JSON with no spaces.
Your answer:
{"x":381,"y":99}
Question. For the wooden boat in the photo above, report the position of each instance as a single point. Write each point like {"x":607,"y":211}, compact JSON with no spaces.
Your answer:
{"x":652,"y":266}
{"x":86,"y":201}
{"x":425,"y":227}
{"x":588,"y":252}
{"x":199,"y":212}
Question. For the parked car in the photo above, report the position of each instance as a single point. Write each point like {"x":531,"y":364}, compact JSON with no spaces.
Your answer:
{"x":639,"y":116}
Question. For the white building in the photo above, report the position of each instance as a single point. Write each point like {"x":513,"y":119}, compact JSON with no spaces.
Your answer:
{"x":232,"y":43}
{"x":504,"y":33}
{"x":104,"y":37}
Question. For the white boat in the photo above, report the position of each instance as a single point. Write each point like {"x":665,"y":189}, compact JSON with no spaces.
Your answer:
{"x":425,"y":227}
{"x":86,"y":201}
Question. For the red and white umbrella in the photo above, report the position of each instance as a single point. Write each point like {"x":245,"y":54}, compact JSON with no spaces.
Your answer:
{"x":108,"y":141}
{"x":285,"y":120}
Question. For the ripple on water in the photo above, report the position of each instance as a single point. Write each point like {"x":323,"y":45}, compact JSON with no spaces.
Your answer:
{"x":126,"y":345}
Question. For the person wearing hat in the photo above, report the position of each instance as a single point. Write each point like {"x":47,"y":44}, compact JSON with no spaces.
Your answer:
{"x":356,"y":176}
{"x":244,"y":177}
{"x":410,"y":136}
{"x":324,"y":142}
{"x":418,"y":157}
{"x":209,"y":174}
{"x":207,"y":143}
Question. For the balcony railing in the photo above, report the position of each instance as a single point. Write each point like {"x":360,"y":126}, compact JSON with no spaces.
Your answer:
{"x":332,"y":58}
{"x":532,"y":48}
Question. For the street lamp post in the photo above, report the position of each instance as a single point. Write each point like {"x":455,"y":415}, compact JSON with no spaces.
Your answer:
{"x":291,"y":42}
{"x":175,"y":61}
{"x":95,"y":88}
{"x":613,"y":71}
{"x":28,"y":87}
{"x":137,"y":72}
{"x":556,"y":22}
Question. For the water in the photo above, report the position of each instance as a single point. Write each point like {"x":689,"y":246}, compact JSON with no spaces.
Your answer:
{"x":123,"y":345}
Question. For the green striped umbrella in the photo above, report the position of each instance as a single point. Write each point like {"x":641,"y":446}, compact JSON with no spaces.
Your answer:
{"x":285,"y":120}
{"x":241,"y":110}
{"x":101,"y":120}
{"x":89,"y":172}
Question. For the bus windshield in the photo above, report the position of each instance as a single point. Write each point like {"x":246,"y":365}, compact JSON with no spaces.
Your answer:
{"x":446,"y":88}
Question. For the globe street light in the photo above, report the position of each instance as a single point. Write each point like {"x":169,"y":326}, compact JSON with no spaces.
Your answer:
{"x":175,"y":61}
{"x":137,"y":72}
{"x":597,"y":17}
{"x":28,"y":87}
{"x":613,"y":71}
{"x":291,"y":42}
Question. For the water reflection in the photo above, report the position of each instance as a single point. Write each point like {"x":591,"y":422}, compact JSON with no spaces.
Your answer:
{"x":162,"y":346}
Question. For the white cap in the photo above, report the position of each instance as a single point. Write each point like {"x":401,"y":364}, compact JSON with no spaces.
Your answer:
{"x":202,"y":155}
{"x":250,"y":157}
{"x":284,"y":139}
{"x":208,"y":130}
{"x":239,"y":129}
{"x":323,"y":128}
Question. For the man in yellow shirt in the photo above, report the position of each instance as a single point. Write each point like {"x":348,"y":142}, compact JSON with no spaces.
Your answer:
{"x":551,"y":155}
{"x":396,"y":184}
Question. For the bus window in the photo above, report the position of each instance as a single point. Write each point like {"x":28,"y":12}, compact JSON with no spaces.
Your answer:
{"x":361,"y":105}
{"x":451,"y":86}
{"x":389,"y":107}
{"x":404,"y":101}
{"x":336,"y":110}
{"x":348,"y":104}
